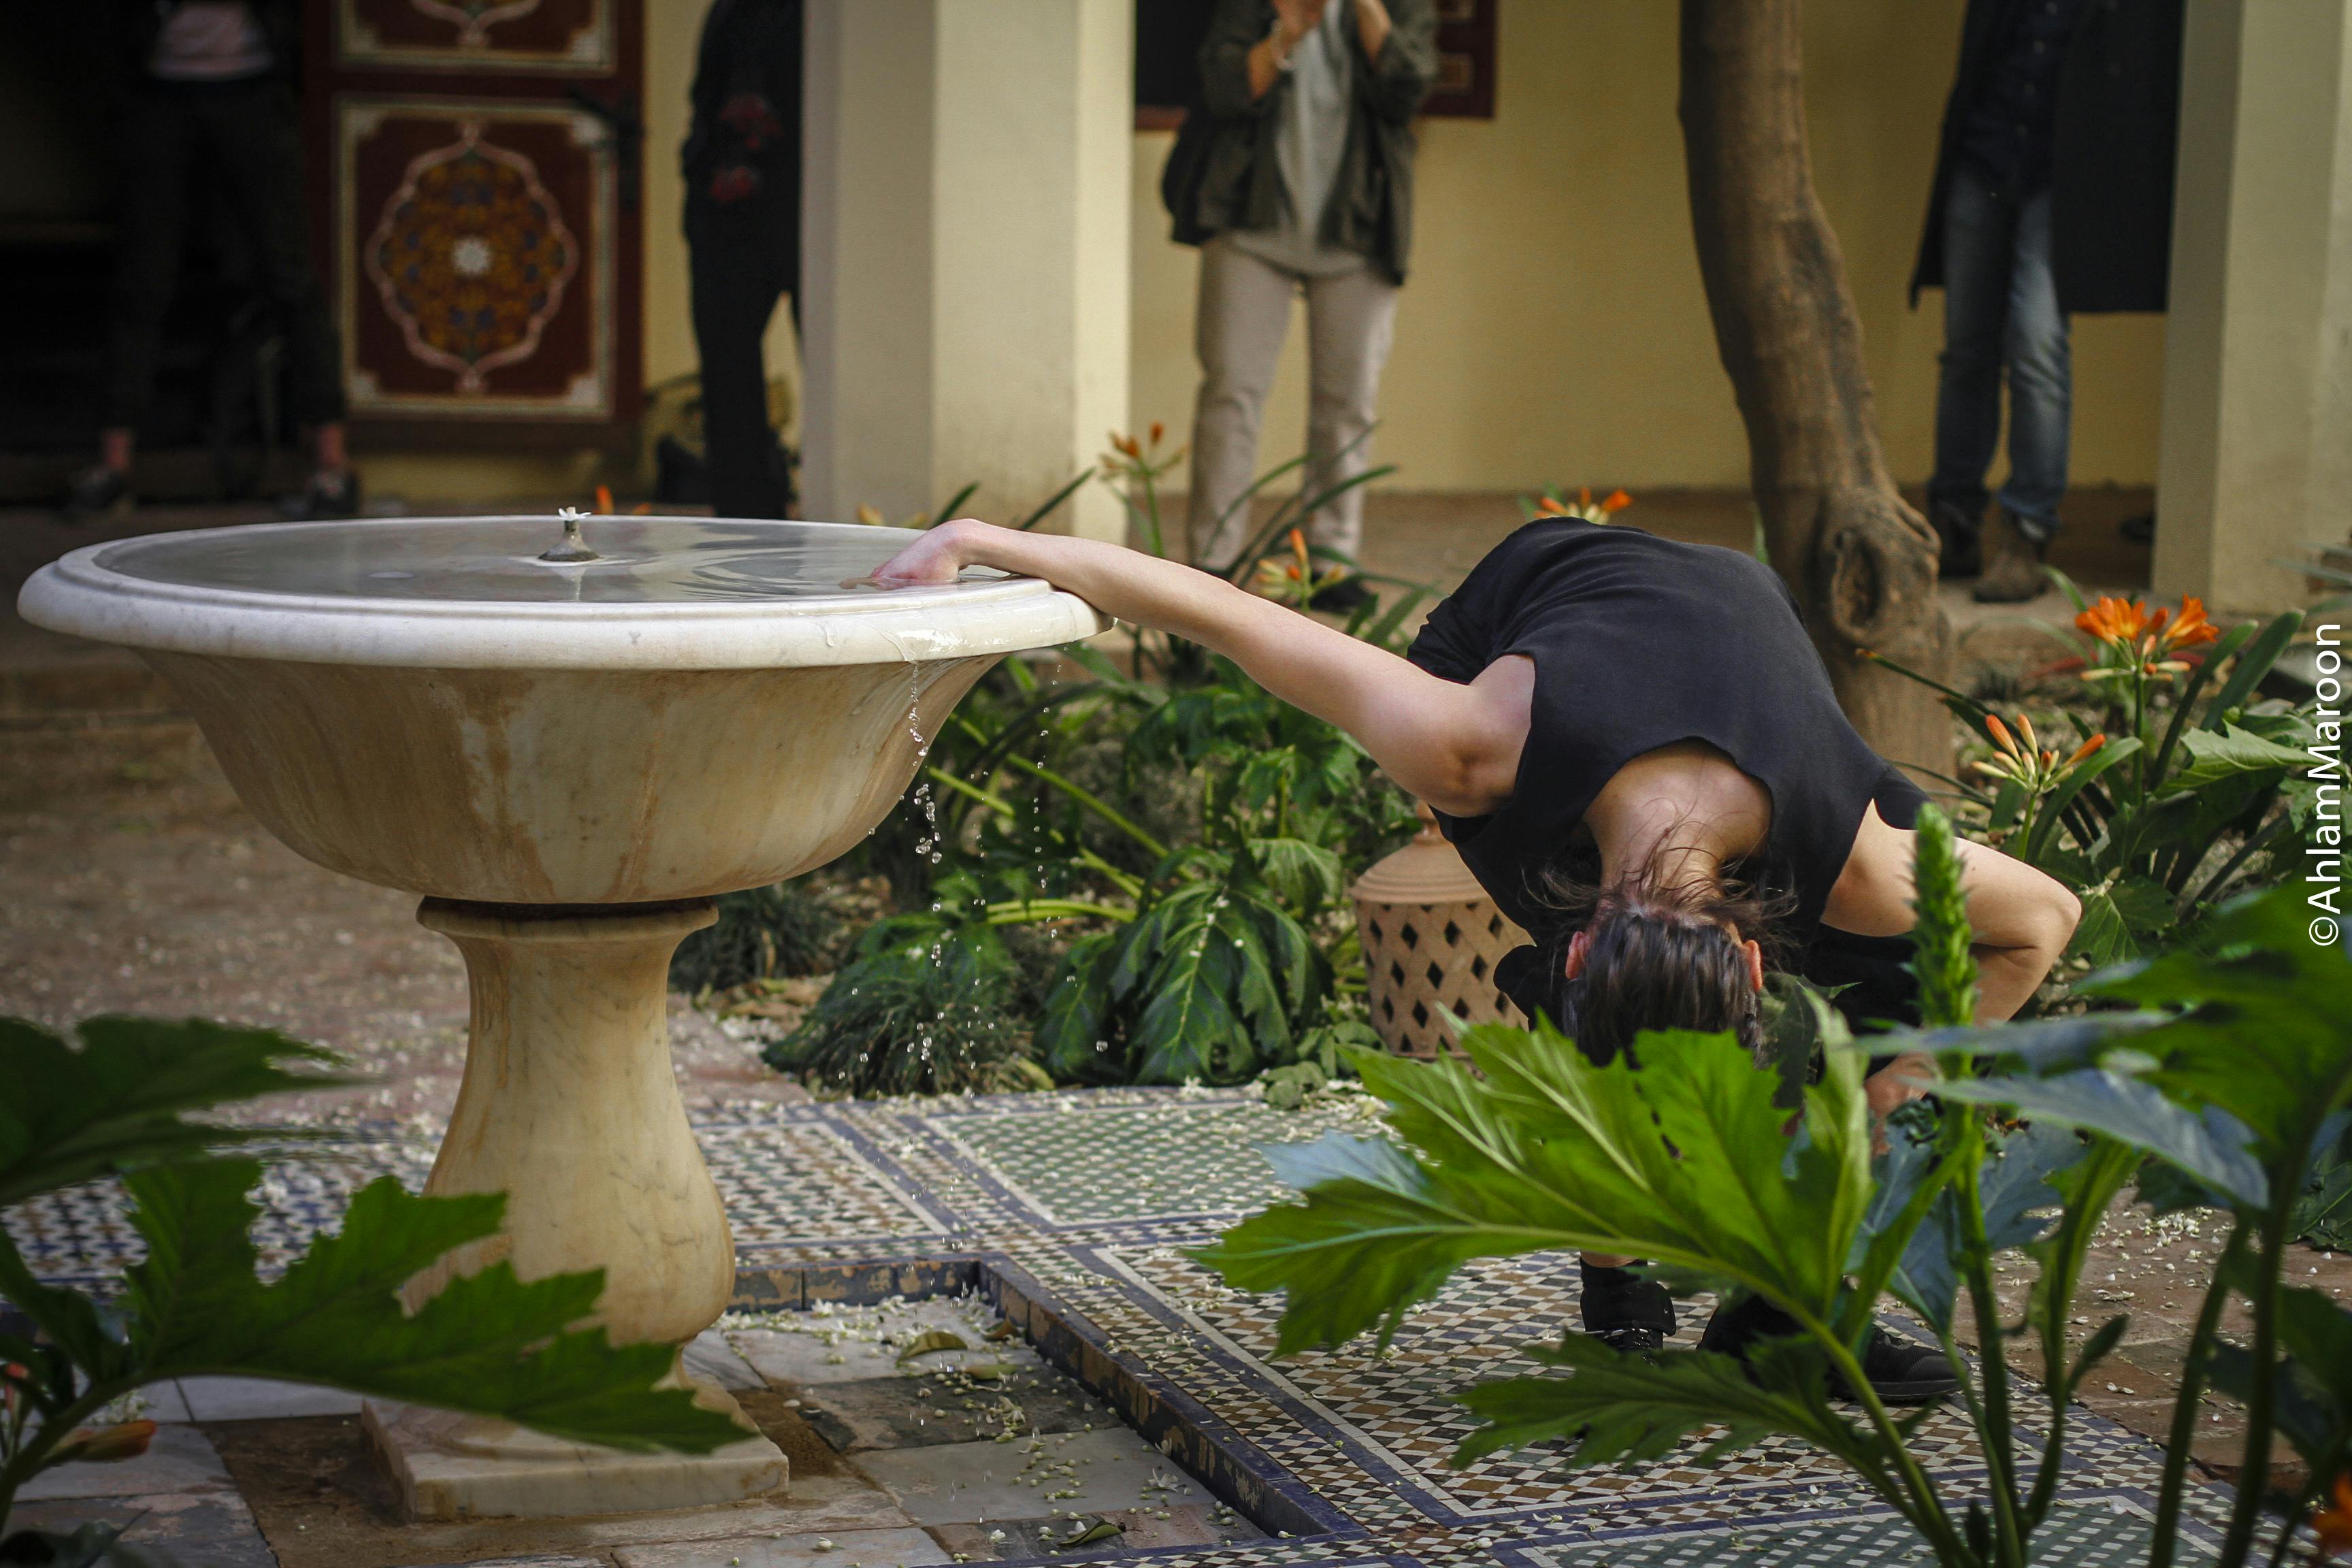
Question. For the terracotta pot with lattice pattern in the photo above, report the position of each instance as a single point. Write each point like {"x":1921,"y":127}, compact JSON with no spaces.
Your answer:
{"x":1431,"y":939}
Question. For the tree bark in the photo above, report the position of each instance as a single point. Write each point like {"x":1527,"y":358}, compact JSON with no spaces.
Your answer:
{"x":1861,"y":562}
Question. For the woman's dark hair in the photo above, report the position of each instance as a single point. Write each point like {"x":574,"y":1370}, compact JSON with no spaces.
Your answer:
{"x":1660,"y":957}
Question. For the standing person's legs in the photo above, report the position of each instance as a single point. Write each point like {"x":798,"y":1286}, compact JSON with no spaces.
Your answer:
{"x":158,"y":161}
{"x":253,"y":137}
{"x":734,"y":293}
{"x":1244,"y":309}
{"x":1978,"y":241}
{"x":2041,"y":379}
{"x":1351,"y":322}
{"x":2040,"y":406}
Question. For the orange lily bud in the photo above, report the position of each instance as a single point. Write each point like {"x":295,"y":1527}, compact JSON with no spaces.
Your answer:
{"x":2025,"y":728}
{"x":1616,"y":500}
{"x":110,"y":1445}
{"x":604,"y":500}
{"x":1158,"y":430}
{"x":2087,"y":749}
{"x":2001,"y":735}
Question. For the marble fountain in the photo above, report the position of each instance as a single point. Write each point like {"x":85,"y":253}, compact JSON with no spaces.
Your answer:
{"x":567,"y":737}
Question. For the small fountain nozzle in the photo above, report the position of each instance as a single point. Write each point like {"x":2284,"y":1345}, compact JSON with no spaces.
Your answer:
{"x":571,"y":547}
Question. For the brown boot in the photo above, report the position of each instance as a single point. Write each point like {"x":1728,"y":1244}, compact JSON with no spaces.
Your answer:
{"x":2012,"y":563}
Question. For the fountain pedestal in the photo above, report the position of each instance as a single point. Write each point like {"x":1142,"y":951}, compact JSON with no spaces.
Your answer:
{"x":569,"y":1108}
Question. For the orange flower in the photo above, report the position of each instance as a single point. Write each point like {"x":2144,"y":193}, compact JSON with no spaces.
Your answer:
{"x":2000,"y":734}
{"x":1616,"y":500}
{"x":2117,"y":620}
{"x":604,"y":500}
{"x":108,"y":1445}
{"x":1552,"y":506}
{"x":2192,"y":629}
{"x":1158,"y":430}
{"x":2333,"y":1525}
{"x":2088,"y":750}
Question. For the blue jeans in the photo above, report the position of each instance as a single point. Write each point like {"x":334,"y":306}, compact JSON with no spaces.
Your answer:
{"x":2001,"y":309}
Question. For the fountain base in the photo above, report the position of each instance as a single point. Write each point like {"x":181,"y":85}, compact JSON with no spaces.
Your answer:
{"x":449,"y":1466}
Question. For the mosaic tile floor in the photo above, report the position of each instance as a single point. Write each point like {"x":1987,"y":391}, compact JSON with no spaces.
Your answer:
{"x":1097,"y":1195}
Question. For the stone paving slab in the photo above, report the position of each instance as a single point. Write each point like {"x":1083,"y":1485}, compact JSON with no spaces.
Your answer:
{"x":1092,"y":1201}
{"x":849,"y":1549}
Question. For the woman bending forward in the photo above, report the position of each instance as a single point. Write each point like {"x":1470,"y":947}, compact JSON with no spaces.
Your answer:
{"x":1635,"y":748}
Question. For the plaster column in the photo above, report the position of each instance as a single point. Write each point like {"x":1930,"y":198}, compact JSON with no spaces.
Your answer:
{"x":965,"y":253}
{"x":2257,"y":434}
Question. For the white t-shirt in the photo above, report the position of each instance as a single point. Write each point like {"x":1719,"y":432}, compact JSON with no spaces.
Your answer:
{"x":1309,"y":142}
{"x":209,"y":40}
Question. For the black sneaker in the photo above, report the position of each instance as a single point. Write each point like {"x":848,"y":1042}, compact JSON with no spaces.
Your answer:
{"x":1630,"y":1339}
{"x":1344,"y":597}
{"x":327,"y":496}
{"x":1623,"y":1310}
{"x":1899,"y":1372}
{"x":97,"y":491}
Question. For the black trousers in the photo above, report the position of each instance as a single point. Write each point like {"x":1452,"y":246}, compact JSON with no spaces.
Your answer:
{"x":242,"y":138}
{"x":742,"y":261}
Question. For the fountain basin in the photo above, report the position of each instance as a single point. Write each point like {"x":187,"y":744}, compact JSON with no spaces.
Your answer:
{"x":425,"y":705}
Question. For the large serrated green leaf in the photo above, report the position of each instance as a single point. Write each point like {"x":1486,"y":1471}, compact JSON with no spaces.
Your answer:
{"x":487,"y":1343}
{"x":70,"y":1115}
{"x":1530,"y":1146}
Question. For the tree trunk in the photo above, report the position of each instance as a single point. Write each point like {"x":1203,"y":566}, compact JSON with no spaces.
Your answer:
{"x":1861,"y":562}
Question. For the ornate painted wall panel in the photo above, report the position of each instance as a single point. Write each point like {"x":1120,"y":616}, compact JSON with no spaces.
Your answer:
{"x":475,"y":267}
{"x":478,"y":35}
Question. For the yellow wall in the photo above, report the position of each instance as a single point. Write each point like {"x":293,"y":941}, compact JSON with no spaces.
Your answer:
{"x":1554,"y":327}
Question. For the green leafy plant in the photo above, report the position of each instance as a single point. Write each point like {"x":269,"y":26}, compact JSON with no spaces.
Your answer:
{"x":926,"y":1014}
{"x":786,"y":929}
{"x":197,"y":1304}
{"x":2175,"y":789}
{"x":2218,"y":1087}
{"x":1173,"y":832}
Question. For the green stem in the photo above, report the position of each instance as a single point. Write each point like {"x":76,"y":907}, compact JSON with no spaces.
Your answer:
{"x":2219,"y":880}
{"x":1092,"y":802}
{"x":2254,"y":1464}
{"x":1995,"y":1430}
{"x":2184,"y":1410}
{"x":31,"y":1457}
{"x":2061,"y":1273}
{"x":1931,"y":1520}
{"x":1027,"y":912}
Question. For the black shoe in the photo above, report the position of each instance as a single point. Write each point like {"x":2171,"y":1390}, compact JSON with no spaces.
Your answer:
{"x":1960,"y":537}
{"x":1344,"y":597}
{"x":97,"y":491}
{"x":327,"y":496}
{"x":1623,"y":1310}
{"x":1899,"y":1372}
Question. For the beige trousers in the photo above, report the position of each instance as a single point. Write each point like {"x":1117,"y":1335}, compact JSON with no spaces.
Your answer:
{"x":1245,"y":311}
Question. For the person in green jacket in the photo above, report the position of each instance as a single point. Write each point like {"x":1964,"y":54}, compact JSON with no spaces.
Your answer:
{"x":1295,"y":174}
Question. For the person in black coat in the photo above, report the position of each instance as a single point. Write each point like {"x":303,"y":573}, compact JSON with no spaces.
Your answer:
{"x":742,"y":161}
{"x":2052,"y":196}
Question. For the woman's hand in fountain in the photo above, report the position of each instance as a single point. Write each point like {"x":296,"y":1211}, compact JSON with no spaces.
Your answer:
{"x":934,"y":559}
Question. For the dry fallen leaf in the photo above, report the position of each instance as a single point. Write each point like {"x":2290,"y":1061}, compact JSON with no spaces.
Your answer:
{"x":930,"y":1341}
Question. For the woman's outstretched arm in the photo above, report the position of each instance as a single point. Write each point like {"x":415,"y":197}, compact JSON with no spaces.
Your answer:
{"x":1456,"y":747}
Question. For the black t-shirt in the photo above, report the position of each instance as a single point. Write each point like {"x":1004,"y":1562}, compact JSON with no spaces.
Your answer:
{"x":1640,"y":642}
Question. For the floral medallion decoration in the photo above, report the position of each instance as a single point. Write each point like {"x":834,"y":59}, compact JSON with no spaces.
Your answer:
{"x":471,"y":258}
